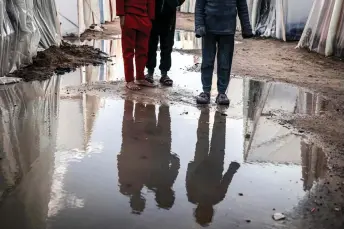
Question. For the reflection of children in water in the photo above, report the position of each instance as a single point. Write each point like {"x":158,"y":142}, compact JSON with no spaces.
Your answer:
{"x":145,"y":158}
{"x":205,"y":184}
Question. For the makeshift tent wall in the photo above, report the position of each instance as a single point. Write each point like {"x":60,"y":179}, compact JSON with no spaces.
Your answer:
{"x":25,"y":26}
{"x":324,"y":31}
{"x":281,"y":19}
{"x":78,"y":15}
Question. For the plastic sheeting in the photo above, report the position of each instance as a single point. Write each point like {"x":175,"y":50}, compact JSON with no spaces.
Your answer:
{"x":25,"y":25}
{"x":188,"y":6}
{"x":78,"y":15}
{"x":281,"y":19}
{"x":324,"y":31}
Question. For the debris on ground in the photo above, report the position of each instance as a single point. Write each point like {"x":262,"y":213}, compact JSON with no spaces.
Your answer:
{"x":241,"y":194}
{"x":60,"y":60}
{"x":278,"y":216}
{"x":337,"y":209}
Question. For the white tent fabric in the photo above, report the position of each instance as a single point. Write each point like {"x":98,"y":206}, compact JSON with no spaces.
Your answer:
{"x":281,"y":19}
{"x":25,"y":26}
{"x":78,"y":15}
{"x":324,"y":31}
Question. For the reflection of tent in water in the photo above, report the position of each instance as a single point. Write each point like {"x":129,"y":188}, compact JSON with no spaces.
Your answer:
{"x":27,"y":143}
{"x":265,"y":140}
{"x":81,"y":109}
{"x":187,"y":40}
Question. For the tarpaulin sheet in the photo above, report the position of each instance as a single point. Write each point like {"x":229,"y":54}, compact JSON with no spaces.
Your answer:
{"x":280,"y":19}
{"x":324,"y":31}
{"x":23,"y":25}
{"x":47,"y":22}
{"x":188,"y":6}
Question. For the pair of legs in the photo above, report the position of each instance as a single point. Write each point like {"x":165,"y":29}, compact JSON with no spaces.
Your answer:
{"x":223,"y":45}
{"x":162,"y":31}
{"x":135,"y":43}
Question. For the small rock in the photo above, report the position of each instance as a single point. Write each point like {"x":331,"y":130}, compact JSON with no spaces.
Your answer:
{"x":241,"y":194}
{"x":274,"y":209}
{"x":337,"y":209}
{"x":278,"y":216}
{"x":223,"y":114}
{"x":247,"y":136}
{"x":248,"y":221}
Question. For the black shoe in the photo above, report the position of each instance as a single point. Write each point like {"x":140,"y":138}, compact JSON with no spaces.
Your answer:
{"x":203,"y":98}
{"x":222,"y":99}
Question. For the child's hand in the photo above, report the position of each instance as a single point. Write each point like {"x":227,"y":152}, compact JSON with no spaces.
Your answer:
{"x":200,"y":32}
{"x":121,"y":20}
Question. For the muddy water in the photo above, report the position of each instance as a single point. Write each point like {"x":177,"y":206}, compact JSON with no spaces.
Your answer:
{"x":72,"y":159}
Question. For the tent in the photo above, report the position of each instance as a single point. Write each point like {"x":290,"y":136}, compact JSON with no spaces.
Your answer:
{"x":324,"y":31}
{"x":25,"y":26}
{"x":78,"y":15}
{"x":281,"y":19}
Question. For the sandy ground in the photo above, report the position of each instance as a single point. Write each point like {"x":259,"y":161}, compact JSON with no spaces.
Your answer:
{"x":275,"y":60}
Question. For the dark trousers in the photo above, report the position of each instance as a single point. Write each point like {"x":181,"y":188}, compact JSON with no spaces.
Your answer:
{"x":163,"y":30}
{"x":224,"y":46}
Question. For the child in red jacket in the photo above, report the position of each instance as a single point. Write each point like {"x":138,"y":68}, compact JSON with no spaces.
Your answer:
{"x":136,"y":22}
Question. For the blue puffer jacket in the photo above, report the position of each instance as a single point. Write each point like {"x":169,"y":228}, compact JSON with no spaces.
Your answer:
{"x":219,"y":17}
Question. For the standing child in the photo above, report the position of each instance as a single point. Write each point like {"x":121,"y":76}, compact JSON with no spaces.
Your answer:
{"x":215,"y":22}
{"x":136,"y":22}
{"x":162,"y":32}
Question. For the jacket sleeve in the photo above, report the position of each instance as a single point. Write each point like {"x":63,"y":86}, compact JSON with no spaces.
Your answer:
{"x":180,"y":2}
{"x":120,"y":8}
{"x":244,"y":16}
{"x":199,"y":14}
{"x":151,"y":9}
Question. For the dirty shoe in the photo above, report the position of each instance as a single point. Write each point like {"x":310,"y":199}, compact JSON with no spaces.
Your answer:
{"x":203,"y":98}
{"x":222,"y":99}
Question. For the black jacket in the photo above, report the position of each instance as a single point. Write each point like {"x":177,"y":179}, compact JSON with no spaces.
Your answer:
{"x":219,"y":17}
{"x":167,"y":7}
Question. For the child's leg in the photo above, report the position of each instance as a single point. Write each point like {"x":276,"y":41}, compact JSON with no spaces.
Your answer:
{"x":141,"y":56}
{"x":128,"y":47}
{"x":208,"y":58}
{"x":152,"y":48}
{"x":224,"y":62}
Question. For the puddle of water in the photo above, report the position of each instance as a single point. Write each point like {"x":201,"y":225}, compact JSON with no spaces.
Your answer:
{"x":116,"y":162}
{"x":80,"y":160}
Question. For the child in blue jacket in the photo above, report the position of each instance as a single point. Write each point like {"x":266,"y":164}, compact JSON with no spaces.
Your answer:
{"x":215,"y":22}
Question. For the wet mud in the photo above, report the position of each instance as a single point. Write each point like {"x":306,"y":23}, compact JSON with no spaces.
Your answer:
{"x":60,"y":60}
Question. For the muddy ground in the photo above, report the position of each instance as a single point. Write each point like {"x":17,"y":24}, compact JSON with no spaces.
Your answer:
{"x":281,"y":61}
{"x":60,"y":60}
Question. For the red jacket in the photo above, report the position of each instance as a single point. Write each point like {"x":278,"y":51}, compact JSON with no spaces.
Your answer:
{"x":137,"y":7}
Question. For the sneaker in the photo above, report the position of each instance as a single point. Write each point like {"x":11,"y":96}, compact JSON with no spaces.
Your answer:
{"x":203,"y":98}
{"x":222,"y":99}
